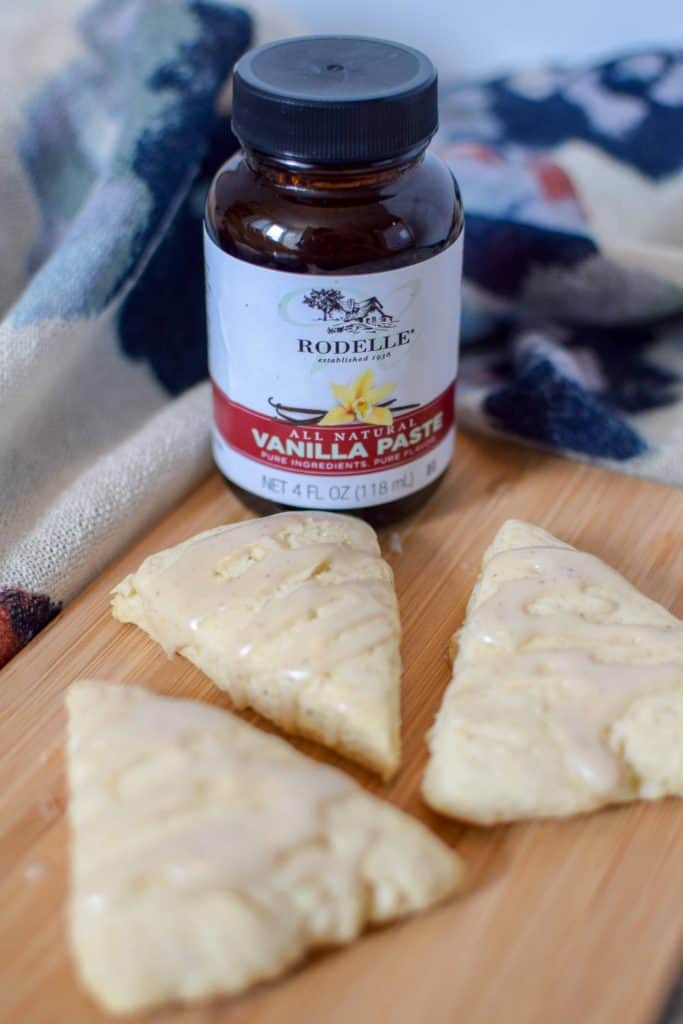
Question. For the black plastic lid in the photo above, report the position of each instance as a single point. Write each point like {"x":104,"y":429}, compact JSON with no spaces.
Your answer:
{"x":334,"y":99}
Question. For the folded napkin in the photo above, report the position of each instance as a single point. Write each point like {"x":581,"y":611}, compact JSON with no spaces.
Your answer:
{"x":110,"y":128}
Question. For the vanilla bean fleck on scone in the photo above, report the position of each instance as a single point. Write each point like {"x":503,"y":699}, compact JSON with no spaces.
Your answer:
{"x":567,"y":690}
{"x":207,"y":855}
{"x":294,"y":615}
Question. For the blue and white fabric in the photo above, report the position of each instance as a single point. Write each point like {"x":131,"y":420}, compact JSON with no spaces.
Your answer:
{"x":572,"y":180}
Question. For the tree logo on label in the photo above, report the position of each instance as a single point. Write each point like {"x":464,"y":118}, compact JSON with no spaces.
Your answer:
{"x":347,"y":314}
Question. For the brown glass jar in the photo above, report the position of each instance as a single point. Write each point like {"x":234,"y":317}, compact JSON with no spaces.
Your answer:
{"x":331,"y":201}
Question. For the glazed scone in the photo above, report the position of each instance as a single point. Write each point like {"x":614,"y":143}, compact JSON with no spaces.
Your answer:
{"x":207,"y":855}
{"x":567,"y":689}
{"x":294,"y":615}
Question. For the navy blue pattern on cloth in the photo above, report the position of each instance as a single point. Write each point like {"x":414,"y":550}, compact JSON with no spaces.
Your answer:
{"x":572,"y":181}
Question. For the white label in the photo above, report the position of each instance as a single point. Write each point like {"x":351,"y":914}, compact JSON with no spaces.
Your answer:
{"x":333,"y":391}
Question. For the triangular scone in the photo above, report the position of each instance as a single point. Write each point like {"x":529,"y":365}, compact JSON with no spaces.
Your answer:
{"x":567,"y":690}
{"x":208,"y":855}
{"x":294,"y":615}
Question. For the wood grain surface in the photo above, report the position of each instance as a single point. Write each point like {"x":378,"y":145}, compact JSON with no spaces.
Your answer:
{"x":568,"y":922}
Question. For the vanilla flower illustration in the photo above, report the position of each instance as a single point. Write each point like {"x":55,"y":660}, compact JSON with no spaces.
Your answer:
{"x":359,"y":402}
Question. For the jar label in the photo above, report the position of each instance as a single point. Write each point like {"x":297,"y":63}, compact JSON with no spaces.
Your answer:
{"x":333,"y":391}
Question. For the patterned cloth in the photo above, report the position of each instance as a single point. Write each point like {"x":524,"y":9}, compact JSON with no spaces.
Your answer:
{"x":109,"y":131}
{"x":106,"y":114}
{"x":573,"y":189}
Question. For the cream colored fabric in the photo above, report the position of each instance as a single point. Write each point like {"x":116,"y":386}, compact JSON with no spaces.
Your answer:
{"x":567,"y":690}
{"x":637,"y":220}
{"x":294,"y":615}
{"x":96,"y":165}
{"x":207,"y":855}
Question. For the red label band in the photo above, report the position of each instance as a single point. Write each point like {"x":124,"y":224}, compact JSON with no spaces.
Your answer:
{"x":334,"y":450}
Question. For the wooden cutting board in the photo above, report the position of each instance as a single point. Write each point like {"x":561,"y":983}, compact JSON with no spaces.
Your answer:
{"x":564,"y":923}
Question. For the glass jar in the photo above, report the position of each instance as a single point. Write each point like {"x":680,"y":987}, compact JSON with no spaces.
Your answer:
{"x":333,"y":253}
